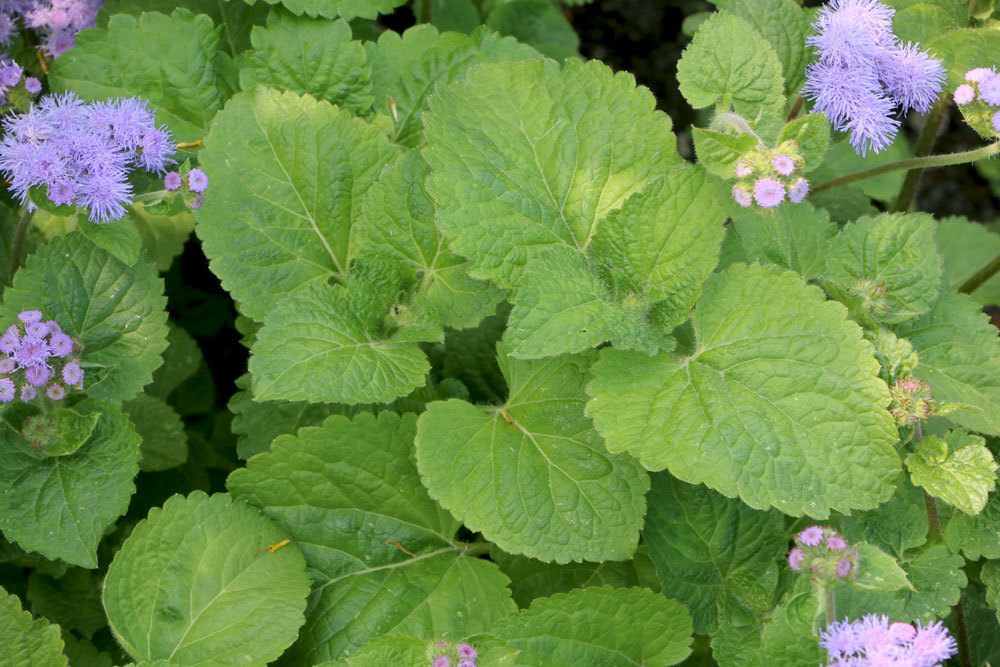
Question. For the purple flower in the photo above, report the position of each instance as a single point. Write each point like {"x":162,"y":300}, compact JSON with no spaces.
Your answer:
{"x":72,"y":374}
{"x":783,"y":164}
{"x":847,"y":31}
{"x":996,"y":121}
{"x":932,"y":644}
{"x":873,"y":641}
{"x":964,"y":94}
{"x":156,"y":149}
{"x":989,"y":90}
{"x":836,"y":543}
{"x":10,"y":74}
{"x":55,"y":392}
{"x":912,"y":77}
{"x":37,"y":375}
{"x":768,"y":192}
{"x":28,"y":393}
{"x":30,"y":316}
{"x":742,"y":196}
{"x":465,"y":651}
{"x":197,"y":180}
{"x":32,"y":85}
{"x":901,"y":632}
{"x":60,"y":345}
{"x":197,"y":202}
{"x":844,"y":567}
{"x":7,"y":365}
{"x":795,"y":558}
{"x":172,"y":181}
{"x":799,"y":191}
{"x":743,"y":169}
{"x":811,"y":536}
{"x":871,"y":127}
{"x":10,"y":340}
{"x":104,"y":195}
{"x":467,"y":663}
{"x":978,"y":74}
{"x":32,"y":351}
{"x":6,"y":390}
{"x":441,"y":661}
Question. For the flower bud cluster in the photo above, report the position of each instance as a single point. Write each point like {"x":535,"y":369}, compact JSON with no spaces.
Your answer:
{"x":197,"y":183}
{"x":824,"y":553}
{"x":911,"y":401}
{"x":767,"y":177}
{"x":979,"y":99}
{"x":37,"y":355}
{"x":448,"y":654}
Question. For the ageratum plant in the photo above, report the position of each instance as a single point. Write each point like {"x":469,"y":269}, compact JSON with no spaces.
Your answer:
{"x":485,"y":352}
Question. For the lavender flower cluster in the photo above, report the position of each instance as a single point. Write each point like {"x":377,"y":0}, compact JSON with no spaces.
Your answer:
{"x":57,"y":21}
{"x":824,"y":553}
{"x":38,"y":354}
{"x":10,"y":76}
{"x":82,"y":153}
{"x":464,"y":655}
{"x":865,"y":75}
{"x":873,"y":640}
{"x":197,"y":183}
{"x":980,"y":93}
{"x":768,"y":177}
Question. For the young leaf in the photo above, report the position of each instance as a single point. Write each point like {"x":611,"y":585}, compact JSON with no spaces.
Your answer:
{"x":389,"y":650}
{"x":121,"y":239}
{"x":718,"y":152}
{"x":532,"y":155}
{"x":164,"y":442}
{"x":792,"y":237}
{"x":533,"y":475}
{"x":288,"y":174}
{"x":896,"y":526}
{"x":407,"y":68}
{"x":167,"y":60}
{"x":194,"y":583}
{"x":162,"y":236}
{"x":878,"y":571}
{"x":397,"y":220}
{"x":728,"y":62}
{"x":310,"y":57}
{"x":976,"y":536}
{"x":382,"y":554}
{"x":116,"y":312}
{"x":779,"y":402}
{"x":890,"y":260}
{"x":811,"y":132}
{"x":27,"y":641}
{"x":963,"y":477}
{"x":60,"y":506}
{"x":784,"y":24}
{"x":713,"y":553}
{"x":967,"y":247}
{"x":600,"y":626}
{"x":72,"y":600}
{"x":331,"y":9}
{"x":960,"y":359}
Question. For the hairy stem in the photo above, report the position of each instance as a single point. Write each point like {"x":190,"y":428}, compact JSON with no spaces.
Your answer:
{"x":796,"y":108}
{"x":981,"y":276}
{"x":831,"y":606}
{"x":15,"y":251}
{"x":937,"y":117}
{"x":914,"y":163}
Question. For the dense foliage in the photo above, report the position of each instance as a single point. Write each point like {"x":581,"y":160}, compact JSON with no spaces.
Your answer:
{"x":496,"y":358}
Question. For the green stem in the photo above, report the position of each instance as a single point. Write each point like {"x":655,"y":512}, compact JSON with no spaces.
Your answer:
{"x":425,"y":10}
{"x":981,"y":276}
{"x":831,"y":606}
{"x":937,"y":117}
{"x":476,"y":549}
{"x":15,"y":252}
{"x":915,"y":163}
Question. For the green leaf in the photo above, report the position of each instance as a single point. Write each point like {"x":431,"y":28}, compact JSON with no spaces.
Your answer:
{"x":121,"y":239}
{"x":397,"y":220}
{"x":315,"y":347}
{"x":82,"y":653}
{"x":166,"y":60}
{"x":349,"y":493}
{"x":27,"y":642}
{"x":59,"y":432}
{"x":531,"y":578}
{"x":600,"y":626}
{"x":991,"y":579}
{"x":539,"y":23}
{"x":366,"y":9}
{"x":964,"y":478}
{"x":72,"y":600}
{"x":60,"y":506}
{"x":963,"y":49}
{"x":712,"y":553}
{"x":976,"y":536}
{"x":718,"y":152}
{"x":967,"y":247}
{"x":842,"y":159}
{"x":792,"y":237}
{"x":784,"y":25}
{"x":310,"y":56}
{"x":728,"y":62}
{"x":960,"y":359}
{"x":896,"y":526}
{"x":894,"y":258}
{"x":194,"y":584}
{"x":163,"y":236}
{"x":878,"y":571}
{"x":533,"y":155}
{"x":288,"y":174}
{"x":532,"y":475}
{"x":938,"y":578}
{"x":407,"y":68}
{"x":181,"y":360}
{"x":164,"y":442}
{"x":116,"y":312}
{"x":390,"y":650}
{"x":779,"y":402}
{"x":811,"y":133}
{"x":922,"y":20}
